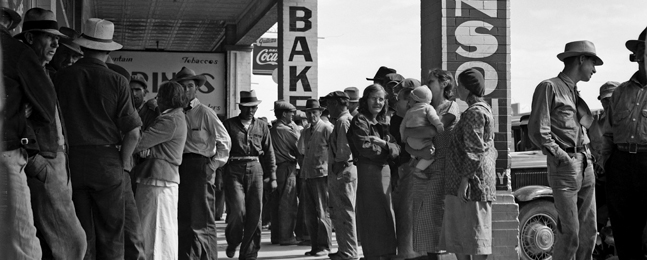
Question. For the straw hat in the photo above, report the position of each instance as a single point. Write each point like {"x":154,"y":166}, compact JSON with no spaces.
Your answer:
{"x":97,"y":35}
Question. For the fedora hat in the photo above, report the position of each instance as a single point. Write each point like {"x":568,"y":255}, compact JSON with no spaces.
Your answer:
{"x":139,"y":79}
{"x":313,"y":104}
{"x":69,"y":41}
{"x":577,"y":48}
{"x":248,"y":98}
{"x":381,"y":73}
{"x":13,"y":15}
{"x":633,"y":44}
{"x":97,"y":35}
{"x":39,"y":20}
{"x":188,"y":74}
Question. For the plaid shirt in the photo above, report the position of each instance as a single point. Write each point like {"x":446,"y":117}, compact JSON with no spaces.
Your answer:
{"x":473,"y":154}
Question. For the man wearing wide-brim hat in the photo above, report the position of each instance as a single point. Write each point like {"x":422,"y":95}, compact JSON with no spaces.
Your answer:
{"x":314,"y":169}
{"x":624,"y":156}
{"x":251,"y":166}
{"x":206,"y":149}
{"x":25,"y":81}
{"x":283,"y":209}
{"x":58,"y":228}
{"x":95,"y":102}
{"x":40,"y":32}
{"x":556,"y":125}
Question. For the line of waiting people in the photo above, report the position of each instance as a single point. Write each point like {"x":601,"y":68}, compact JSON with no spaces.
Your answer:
{"x":71,"y":129}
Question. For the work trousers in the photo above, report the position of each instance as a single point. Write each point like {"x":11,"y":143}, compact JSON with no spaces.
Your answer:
{"x":59,"y":230}
{"x":98,"y":195}
{"x":626,"y":192}
{"x":316,"y":213}
{"x":342,"y":188}
{"x":133,"y":231}
{"x":284,"y":203}
{"x":196,"y":209}
{"x":573,"y":185}
{"x":243,"y":195}
{"x":17,"y":232}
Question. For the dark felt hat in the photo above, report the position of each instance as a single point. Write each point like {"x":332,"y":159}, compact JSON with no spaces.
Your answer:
{"x":248,"y":98}
{"x":381,"y":73}
{"x":69,"y":41}
{"x":13,"y":15}
{"x":313,"y":104}
{"x":633,"y":44}
{"x":119,"y":69}
{"x":39,"y":20}
{"x":472,"y":80}
{"x":188,"y":74}
{"x":280,"y":105}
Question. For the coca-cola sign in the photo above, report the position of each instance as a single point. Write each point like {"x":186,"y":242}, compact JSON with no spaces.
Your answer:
{"x":265,"y":60}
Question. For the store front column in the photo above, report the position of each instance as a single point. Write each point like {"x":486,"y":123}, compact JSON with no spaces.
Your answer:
{"x":239,"y":75}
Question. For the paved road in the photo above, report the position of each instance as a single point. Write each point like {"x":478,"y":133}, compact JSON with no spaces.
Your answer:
{"x":269,"y":251}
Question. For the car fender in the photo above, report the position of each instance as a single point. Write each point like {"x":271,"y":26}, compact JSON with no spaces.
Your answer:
{"x":532,"y":192}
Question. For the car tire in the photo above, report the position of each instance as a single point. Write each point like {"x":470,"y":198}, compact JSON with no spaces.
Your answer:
{"x":537,"y":228}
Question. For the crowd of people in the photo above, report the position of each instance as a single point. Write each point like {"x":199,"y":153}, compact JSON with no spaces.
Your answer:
{"x":95,"y":171}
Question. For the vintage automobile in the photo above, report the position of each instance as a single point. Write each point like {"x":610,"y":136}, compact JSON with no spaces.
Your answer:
{"x":537,"y":214}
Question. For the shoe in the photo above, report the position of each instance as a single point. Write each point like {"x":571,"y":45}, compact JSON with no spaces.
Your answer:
{"x":323,"y":252}
{"x":338,"y":256}
{"x":231,"y":251}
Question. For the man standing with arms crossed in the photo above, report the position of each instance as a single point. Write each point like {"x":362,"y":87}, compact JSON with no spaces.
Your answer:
{"x":250,"y":166}
{"x":207,"y":148}
{"x":283,"y":208}
{"x":624,"y":157}
{"x":556,"y":125}
{"x":96,"y":104}
{"x":342,"y":177}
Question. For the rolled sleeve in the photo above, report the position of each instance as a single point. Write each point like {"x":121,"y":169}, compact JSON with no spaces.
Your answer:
{"x":221,"y":138}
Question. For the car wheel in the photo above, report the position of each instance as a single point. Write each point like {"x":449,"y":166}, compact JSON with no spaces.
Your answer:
{"x":537,"y":228}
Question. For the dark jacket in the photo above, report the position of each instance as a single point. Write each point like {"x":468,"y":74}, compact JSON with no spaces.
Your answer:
{"x":25,"y":81}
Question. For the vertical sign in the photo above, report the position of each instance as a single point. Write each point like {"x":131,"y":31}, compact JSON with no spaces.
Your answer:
{"x":298,"y":51}
{"x":476,"y":34}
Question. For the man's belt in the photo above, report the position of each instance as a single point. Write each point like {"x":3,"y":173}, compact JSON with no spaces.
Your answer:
{"x":575,"y":149}
{"x":243,"y":158}
{"x":632,"y":148}
{"x":15,"y":144}
{"x":193,"y":155}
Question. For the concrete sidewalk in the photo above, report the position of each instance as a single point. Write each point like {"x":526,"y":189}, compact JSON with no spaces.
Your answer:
{"x":269,"y":251}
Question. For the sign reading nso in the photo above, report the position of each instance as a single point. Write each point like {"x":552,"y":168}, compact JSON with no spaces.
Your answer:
{"x":298,"y":43}
{"x":477,"y":36}
{"x":158,"y":67}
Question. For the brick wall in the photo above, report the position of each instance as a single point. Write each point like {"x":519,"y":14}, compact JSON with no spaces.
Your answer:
{"x":457,"y":35}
